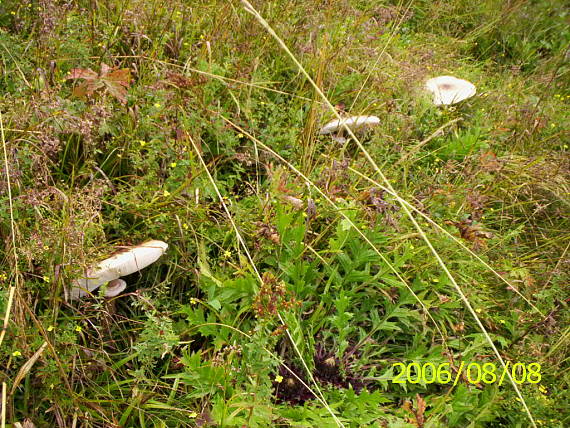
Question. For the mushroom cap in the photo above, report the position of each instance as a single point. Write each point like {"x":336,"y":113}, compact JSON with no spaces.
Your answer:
{"x":448,"y":90}
{"x":353,"y":122}
{"x":115,"y":287}
{"x":121,"y":264}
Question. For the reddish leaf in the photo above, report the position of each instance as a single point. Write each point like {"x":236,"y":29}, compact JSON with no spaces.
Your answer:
{"x":87,"y":88}
{"x":82,"y":73}
{"x":417,"y":417}
{"x":115,"y":80}
{"x":117,"y":91}
{"x":421,"y":407}
{"x":472,"y":232}
{"x":122,"y":76}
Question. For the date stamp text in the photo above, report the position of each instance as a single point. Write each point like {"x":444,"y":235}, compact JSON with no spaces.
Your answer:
{"x":474,"y":373}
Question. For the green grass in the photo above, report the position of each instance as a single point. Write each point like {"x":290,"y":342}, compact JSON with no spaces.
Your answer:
{"x":299,"y":270}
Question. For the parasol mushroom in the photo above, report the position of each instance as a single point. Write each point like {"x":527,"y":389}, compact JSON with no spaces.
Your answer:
{"x":121,"y":264}
{"x":448,"y":90}
{"x":353,"y":122}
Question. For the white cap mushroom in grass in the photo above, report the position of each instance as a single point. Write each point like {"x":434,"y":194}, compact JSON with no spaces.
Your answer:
{"x":121,"y":264}
{"x":448,"y":90}
{"x":353,"y":122}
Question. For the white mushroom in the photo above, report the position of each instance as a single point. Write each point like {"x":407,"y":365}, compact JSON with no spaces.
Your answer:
{"x":353,"y":122}
{"x":121,"y":264}
{"x":449,"y":90}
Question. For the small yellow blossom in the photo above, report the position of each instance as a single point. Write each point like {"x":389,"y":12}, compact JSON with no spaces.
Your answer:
{"x":166,"y":193}
{"x":78,"y":329}
{"x":51,"y":328}
{"x":173,"y":165}
{"x":478,"y":310}
{"x":16,"y":353}
{"x":227,"y":254}
{"x":157,"y":105}
{"x":193,"y":415}
{"x":278,"y":378}
{"x":45,"y":278}
{"x":185,"y":226}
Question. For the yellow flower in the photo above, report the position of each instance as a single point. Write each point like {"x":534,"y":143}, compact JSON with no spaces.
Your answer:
{"x":166,"y":193}
{"x":78,"y":329}
{"x":16,"y":353}
{"x":157,"y":105}
{"x":173,"y":165}
{"x":51,"y":328}
{"x":227,"y":254}
{"x":185,"y":226}
{"x":278,"y":378}
{"x":192,"y":415}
